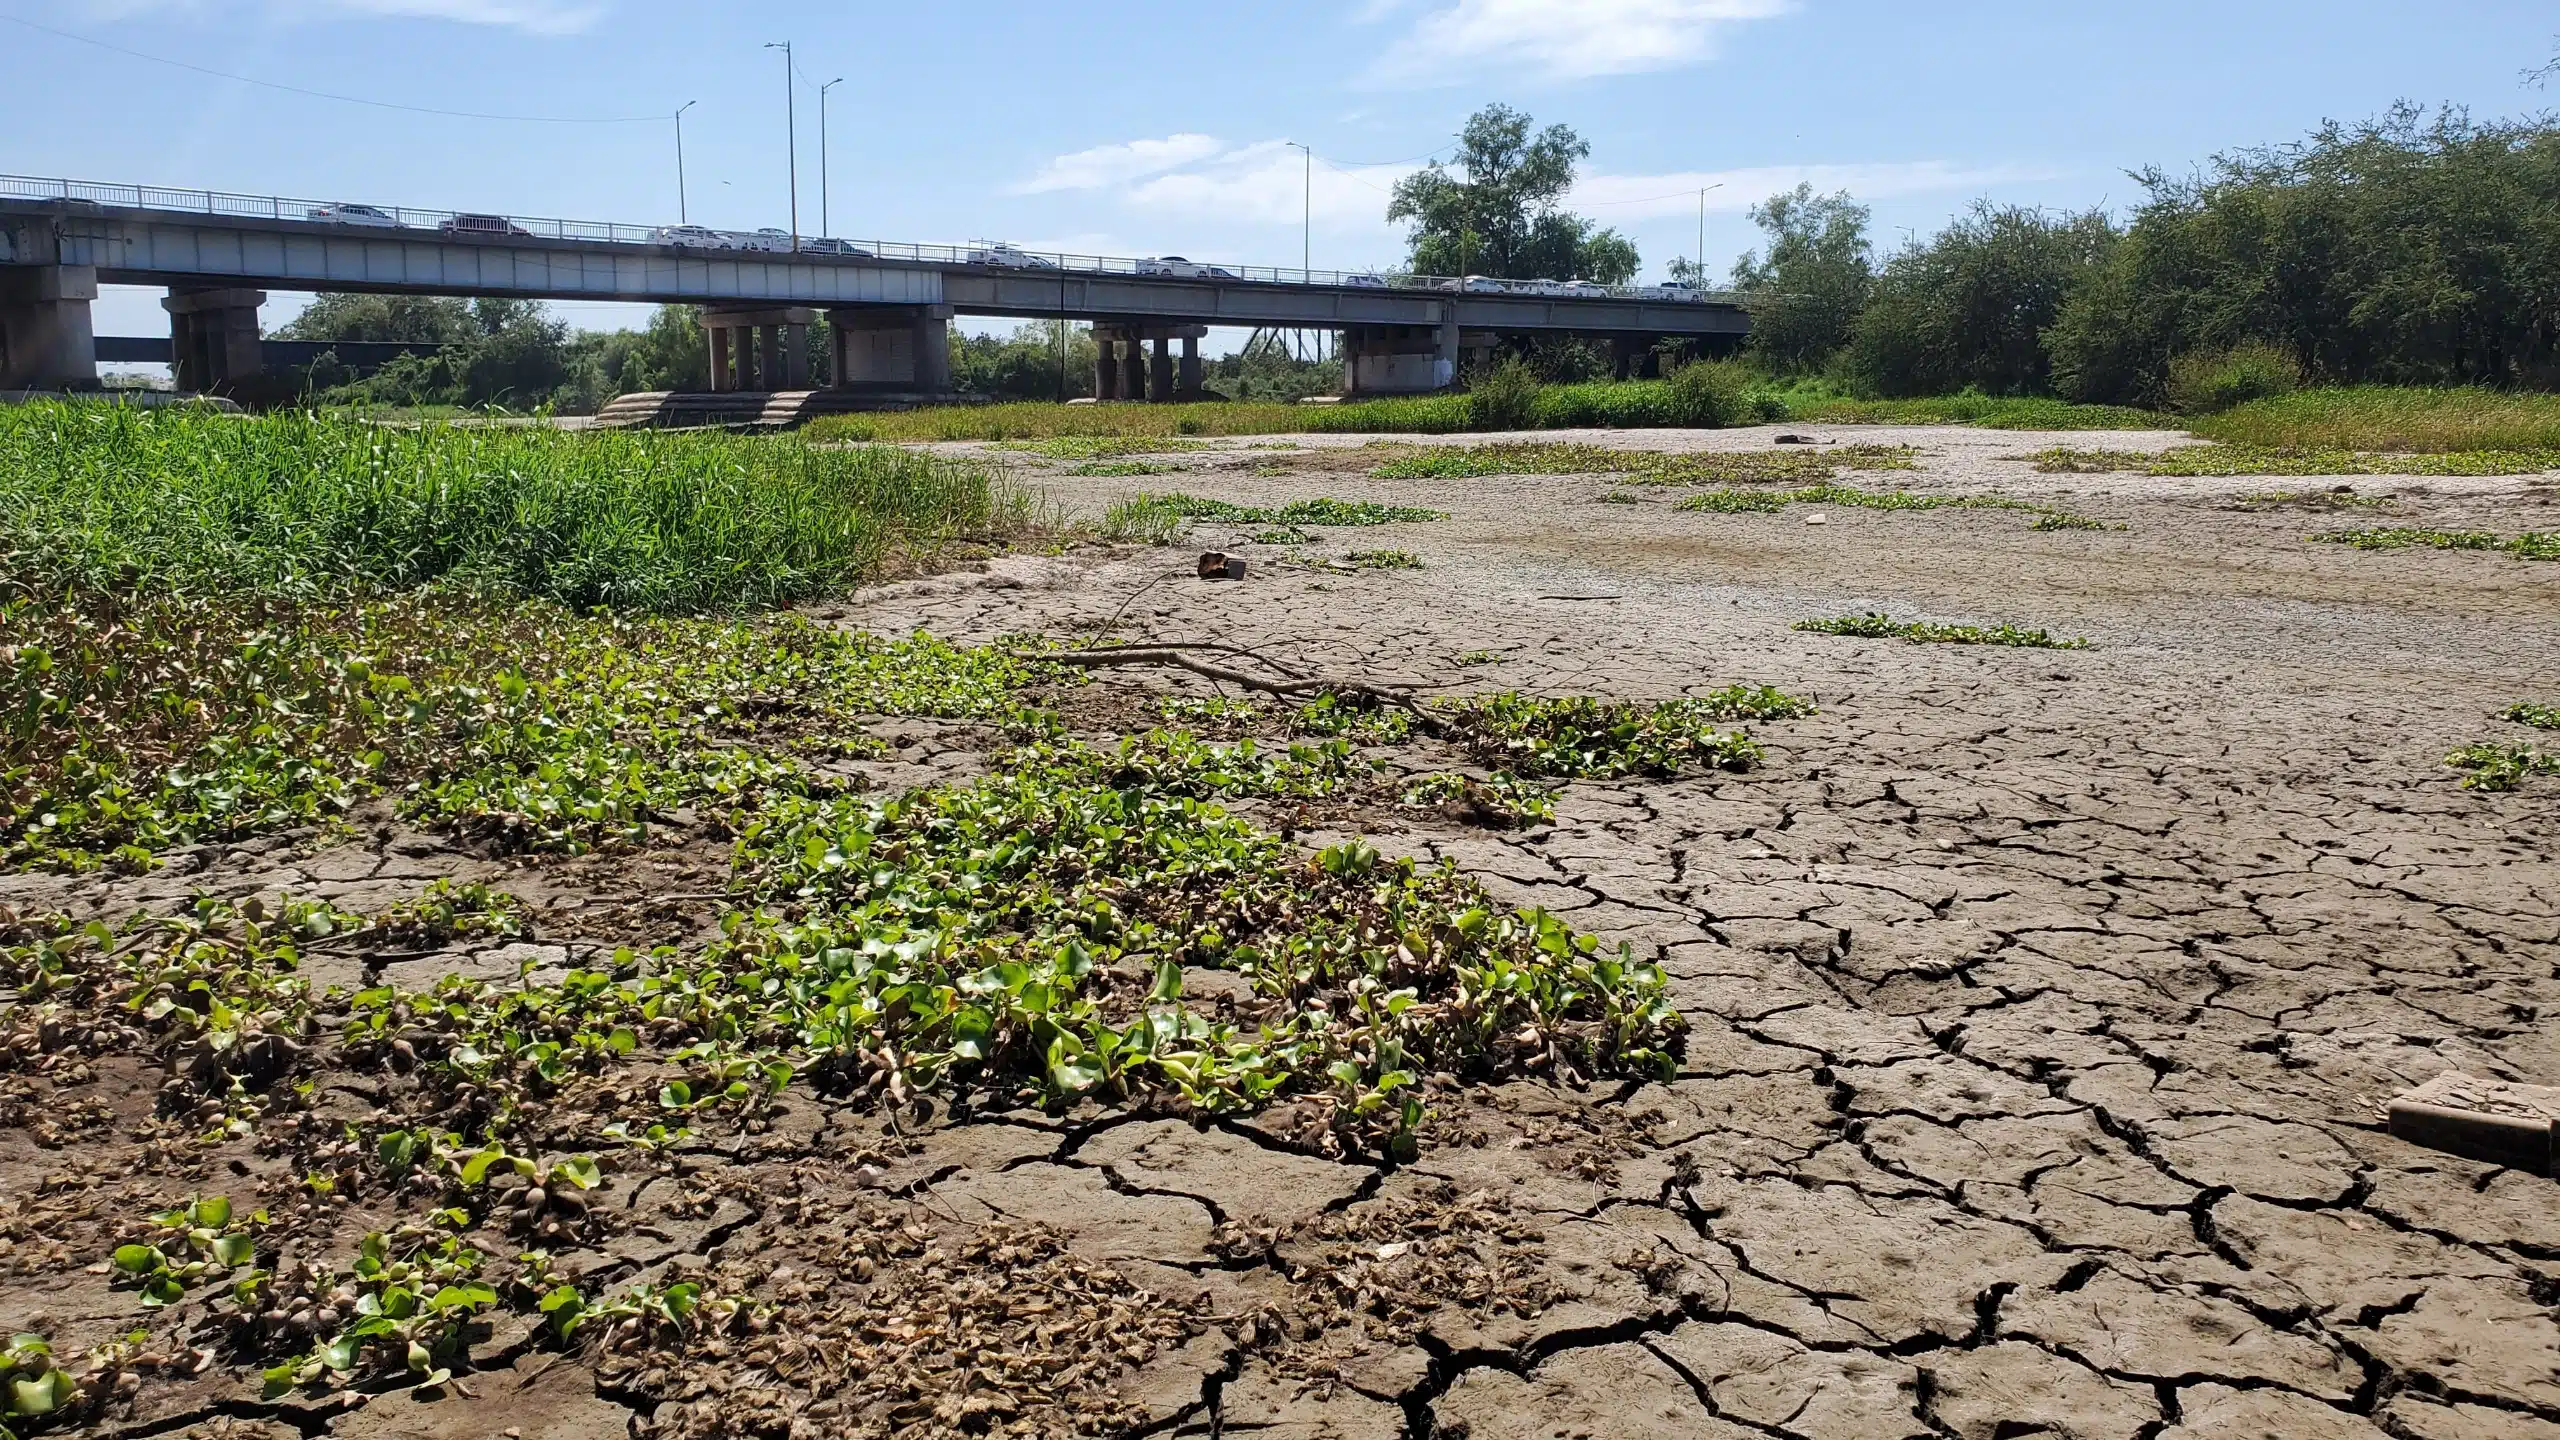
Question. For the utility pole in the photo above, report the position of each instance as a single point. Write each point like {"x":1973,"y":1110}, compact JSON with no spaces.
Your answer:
{"x":791,"y":123}
{"x":681,"y":217}
{"x":823,"y":228}
{"x":1698,"y":277}
{"x":1306,"y":257}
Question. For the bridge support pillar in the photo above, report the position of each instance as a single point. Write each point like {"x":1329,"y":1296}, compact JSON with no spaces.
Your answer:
{"x":904,"y":348}
{"x":1133,"y":368}
{"x":213,"y":338}
{"x":46,"y":342}
{"x":1106,"y":369}
{"x":765,"y":349}
{"x":1399,"y":359}
{"x":1146,"y":364}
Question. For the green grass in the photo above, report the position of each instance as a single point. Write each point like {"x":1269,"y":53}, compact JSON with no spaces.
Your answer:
{"x":304,"y":505}
{"x":1383,"y":560}
{"x":1098,"y":447}
{"x":1927,"y":632}
{"x":1818,"y":404}
{"x":2531,"y":545}
{"x":1622,"y":404}
{"x":1769,"y":502}
{"x":1643,"y":467}
{"x":1120,"y":469}
{"x":2526,"y":712}
{"x":1323,"y":510}
{"x":2385,"y":418}
{"x":2225,"y":460}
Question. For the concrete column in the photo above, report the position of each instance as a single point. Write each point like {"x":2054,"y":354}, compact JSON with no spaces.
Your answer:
{"x":795,"y":357}
{"x":46,"y":342}
{"x":1351,"y":341}
{"x":1133,"y":369}
{"x":1187,"y":385}
{"x":933,"y":349}
{"x":715,"y":342}
{"x":1160,"y":370}
{"x":1444,"y":352}
{"x":214,"y":344}
{"x":1106,"y":368}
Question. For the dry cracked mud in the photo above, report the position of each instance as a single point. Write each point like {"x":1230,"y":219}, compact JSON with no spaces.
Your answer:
{"x":2043,"y":1007}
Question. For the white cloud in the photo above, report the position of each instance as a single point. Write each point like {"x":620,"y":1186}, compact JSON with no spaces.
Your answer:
{"x":1563,"y":39}
{"x":540,"y":17}
{"x":1106,"y":165}
{"x":1621,"y":199}
{"x":1269,"y":183}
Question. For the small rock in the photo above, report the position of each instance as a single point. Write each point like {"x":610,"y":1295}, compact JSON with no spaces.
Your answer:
{"x":1817,"y":518}
{"x":1218,"y":565}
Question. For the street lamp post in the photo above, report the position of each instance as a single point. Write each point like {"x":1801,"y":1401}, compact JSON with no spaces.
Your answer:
{"x":823,"y":227}
{"x":681,"y":216}
{"x":1699,"y":276}
{"x":791,"y":123}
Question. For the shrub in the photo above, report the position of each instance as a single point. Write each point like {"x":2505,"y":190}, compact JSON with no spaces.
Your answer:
{"x":1716,"y":395}
{"x":1506,"y":399}
{"x":2208,"y":382}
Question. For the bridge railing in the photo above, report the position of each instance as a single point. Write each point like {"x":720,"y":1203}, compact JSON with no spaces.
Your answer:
{"x":343,"y":217}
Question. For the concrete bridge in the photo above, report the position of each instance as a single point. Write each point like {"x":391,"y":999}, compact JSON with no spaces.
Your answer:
{"x":887,"y":303}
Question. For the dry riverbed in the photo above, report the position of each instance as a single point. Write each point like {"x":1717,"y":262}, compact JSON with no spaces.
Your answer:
{"x":2042,"y":1004}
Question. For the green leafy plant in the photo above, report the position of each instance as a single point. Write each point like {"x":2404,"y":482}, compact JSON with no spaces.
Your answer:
{"x":2498,"y":765}
{"x":188,"y":1245}
{"x":2526,"y":712}
{"x":1500,"y":799}
{"x":34,"y":1388}
{"x":1382,"y":560}
{"x":1576,"y":736}
{"x":2531,"y":545}
{"x":403,"y":1308}
{"x":1930,"y":632}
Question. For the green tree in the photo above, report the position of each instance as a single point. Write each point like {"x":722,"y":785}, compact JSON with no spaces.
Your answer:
{"x":1970,"y":307}
{"x":1023,"y":365}
{"x":414,"y":319}
{"x":1499,"y":216}
{"x":2410,"y":249}
{"x":1807,"y":290}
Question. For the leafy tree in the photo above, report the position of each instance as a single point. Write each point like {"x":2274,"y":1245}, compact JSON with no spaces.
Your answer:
{"x":2409,"y":249}
{"x":1807,"y":290}
{"x":1969,"y":309}
{"x":414,"y":319}
{"x":1501,"y":218}
{"x":1024,"y":364}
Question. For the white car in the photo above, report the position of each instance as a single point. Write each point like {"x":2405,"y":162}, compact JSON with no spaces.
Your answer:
{"x":767,"y":238}
{"x":1009,"y":258}
{"x":1681,"y":290}
{"x":692,"y":237}
{"x":355,"y":215}
{"x":1584,"y":290}
{"x":1175,"y":267}
{"x":1365,"y":282}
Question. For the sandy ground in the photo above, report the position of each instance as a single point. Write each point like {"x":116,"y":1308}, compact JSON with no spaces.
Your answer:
{"x":2043,"y":1001}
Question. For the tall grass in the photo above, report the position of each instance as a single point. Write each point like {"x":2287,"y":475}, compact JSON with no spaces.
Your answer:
{"x":301,"y":504}
{"x":1599,"y":405}
{"x":2378,"y":417}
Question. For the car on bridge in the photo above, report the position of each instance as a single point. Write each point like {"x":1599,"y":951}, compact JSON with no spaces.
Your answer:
{"x":821,"y":245}
{"x":1365,"y":282}
{"x":1010,"y":258}
{"x":1584,"y":290}
{"x":346,"y":214}
{"x":1475,"y":285}
{"x":1176,"y":268}
{"x":483,"y":225}
{"x":692,"y":237}
{"x":1681,"y":290}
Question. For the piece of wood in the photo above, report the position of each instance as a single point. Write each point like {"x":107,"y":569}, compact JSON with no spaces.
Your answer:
{"x":2478,"y":1119}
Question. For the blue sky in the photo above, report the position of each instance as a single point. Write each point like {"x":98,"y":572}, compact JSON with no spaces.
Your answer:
{"x":1142,"y":128}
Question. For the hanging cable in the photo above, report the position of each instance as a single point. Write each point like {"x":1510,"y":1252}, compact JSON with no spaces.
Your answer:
{"x":326,"y":95}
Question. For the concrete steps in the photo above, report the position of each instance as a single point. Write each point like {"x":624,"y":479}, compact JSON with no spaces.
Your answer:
{"x":749,"y":409}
